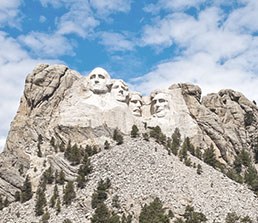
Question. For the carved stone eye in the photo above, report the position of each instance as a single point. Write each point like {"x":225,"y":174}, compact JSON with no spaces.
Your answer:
{"x":101,"y":76}
{"x":93,"y":76}
{"x":162,"y":100}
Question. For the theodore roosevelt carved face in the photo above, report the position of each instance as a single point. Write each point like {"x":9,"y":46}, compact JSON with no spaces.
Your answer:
{"x":135,"y":103}
{"x":160,"y":105}
{"x":99,"y":80}
{"x":120,"y":90}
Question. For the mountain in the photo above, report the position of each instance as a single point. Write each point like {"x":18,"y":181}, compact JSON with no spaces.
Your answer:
{"x":78,"y":144}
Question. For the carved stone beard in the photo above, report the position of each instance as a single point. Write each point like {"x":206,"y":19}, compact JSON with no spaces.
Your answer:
{"x":160,"y":105}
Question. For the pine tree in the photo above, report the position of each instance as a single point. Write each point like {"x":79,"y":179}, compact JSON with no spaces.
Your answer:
{"x":106,"y":145}
{"x":17,"y":196}
{"x":176,"y":140}
{"x":69,"y":193}
{"x":61,"y":178}
{"x":101,"y":215}
{"x":26,"y":190}
{"x":48,"y":176}
{"x":58,"y":206}
{"x":117,"y":136}
{"x":193,"y":217}
{"x":199,"y":169}
{"x":153,"y":213}
{"x":1,"y":203}
{"x":40,"y":202}
{"x":209,"y":156}
{"x":134,"y":131}
{"x":54,"y":197}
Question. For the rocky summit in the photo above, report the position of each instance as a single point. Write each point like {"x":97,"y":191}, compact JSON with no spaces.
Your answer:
{"x":88,"y":149}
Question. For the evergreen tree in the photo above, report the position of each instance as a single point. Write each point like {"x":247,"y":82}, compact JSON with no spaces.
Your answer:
{"x":117,"y":136}
{"x":153,"y":213}
{"x":26,"y":190}
{"x":54,"y":197}
{"x":106,"y":145}
{"x":199,"y":169}
{"x":40,"y":202}
{"x":245,"y":157}
{"x":176,"y":140}
{"x":100,"y":195}
{"x":232,"y":217}
{"x":198,"y":153}
{"x":193,"y":217}
{"x":101,"y":215}
{"x":6,"y":202}
{"x":238,"y":164}
{"x":251,"y":177}
{"x":134,"y":131}
{"x":58,"y":206}
{"x":209,"y":156}
{"x":48,"y":176}
{"x":1,"y":203}
{"x":62,"y":147}
{"x":189,"y":146}
{"x":45,"y":217}
{"x":69,"y":193}
{"x":17,"y":196}
{"x":61,"y":178}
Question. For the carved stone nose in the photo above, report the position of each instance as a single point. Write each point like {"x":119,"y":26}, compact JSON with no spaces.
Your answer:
{"x":96,"y":82}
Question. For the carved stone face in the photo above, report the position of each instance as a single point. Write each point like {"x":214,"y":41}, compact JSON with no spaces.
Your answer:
{"x":160,"y":105}
{"x":135,"y":104}
{"x":98,"y":80}
{"x":120,"y":90}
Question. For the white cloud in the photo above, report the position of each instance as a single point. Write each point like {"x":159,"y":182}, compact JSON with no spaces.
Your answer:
{"x":47,"y":45}
{"x":116,"y":41}
{"x":9,"y":10}
{"x":42,"y":19}
{"x":2,"y":143}
{"x":107,"y":7}
{"x":216,"y":50}
{"x":15,"y":64}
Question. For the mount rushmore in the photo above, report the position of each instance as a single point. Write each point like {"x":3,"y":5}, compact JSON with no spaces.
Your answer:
{"x":61,"y":105}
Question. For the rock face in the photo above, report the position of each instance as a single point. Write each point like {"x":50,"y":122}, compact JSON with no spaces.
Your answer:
{"x":60,"y":104}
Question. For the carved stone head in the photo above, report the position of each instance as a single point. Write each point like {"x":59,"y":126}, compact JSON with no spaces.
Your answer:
{"x":135,"y":103}
{"x":120,"y":90}
{"x":159,"y":104}
{"x":99,"y":80}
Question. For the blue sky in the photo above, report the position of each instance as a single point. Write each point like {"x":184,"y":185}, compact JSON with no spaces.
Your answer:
{"x":149,"y":44}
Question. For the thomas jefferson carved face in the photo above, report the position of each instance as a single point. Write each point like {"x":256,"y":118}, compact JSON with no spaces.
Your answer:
{"x":98,"y":80}
{"x":135,"y":103}
{"x":160,"y":105}
{"x":120,"y":90}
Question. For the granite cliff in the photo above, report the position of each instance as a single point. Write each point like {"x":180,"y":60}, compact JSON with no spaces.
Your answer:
{"x":60,"y":107}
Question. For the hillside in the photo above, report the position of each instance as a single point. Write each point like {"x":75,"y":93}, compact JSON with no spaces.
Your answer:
{"x":80,"y":128}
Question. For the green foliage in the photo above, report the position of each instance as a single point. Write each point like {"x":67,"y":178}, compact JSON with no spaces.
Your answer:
{"x":199,"y":169}
{"x":249,"y":118}
{"x":115,"y":202}
{"x":54,"y":197}
{"x":193,"y":217}
{"x":233,"y":175}
{"x":118,"y":137}
{"x":146,"y":136}
{"x":58,"y":206}
{"x":62,"y":147}
{"x":245,"y":157}
{"x":188,"y":162}
{"x":134,"y":131}
{"x":238,"y":164}
{"x":126,"y":219}
{"x":40,"y":142}
{"x":209,"y":156}
{"x":84,"y":170}
{"x":40,"y":201}
{"x":100,"y":195}
{"x":69,"y":193}
{"x":1,"y":203}
{"x":60,"y":178}
{"x":232,"y":217}
{"x":45,"y":217}
{"x":251,"y":177}
{"x":101,"y":215}
{"x":48,"y":176}
{"x":198,"y":153}
{"x":153,"y":213}
{"x":26,"y":190}
{"x":17,"y":196}
{"x":189,"y":146}
{"x":176,"y":141}
{"x":73,"y":154}
{"x":157,"y":134}
{"x":106,"y":145}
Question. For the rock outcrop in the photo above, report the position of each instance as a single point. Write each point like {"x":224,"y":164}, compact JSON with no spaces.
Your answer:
{"x":63,"y":106}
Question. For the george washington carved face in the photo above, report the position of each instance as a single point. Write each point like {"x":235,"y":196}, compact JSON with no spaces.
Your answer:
{"x":99,"y":80}
{"x":160,"y":105}
{"x":120,"y":90}
{"x":135,"y":103}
